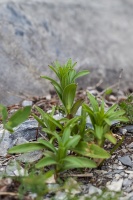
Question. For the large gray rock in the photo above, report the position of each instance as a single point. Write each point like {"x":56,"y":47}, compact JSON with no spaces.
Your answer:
{"x":96,"y":34}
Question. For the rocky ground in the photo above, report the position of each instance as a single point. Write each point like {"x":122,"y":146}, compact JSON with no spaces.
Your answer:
{"x":116,"y":174}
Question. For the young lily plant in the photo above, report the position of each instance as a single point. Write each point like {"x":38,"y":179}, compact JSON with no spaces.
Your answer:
{"x":103,"y":119}
{"x":57,"y":151}
{"x":66,"y":87}
{"x":63,"y":140}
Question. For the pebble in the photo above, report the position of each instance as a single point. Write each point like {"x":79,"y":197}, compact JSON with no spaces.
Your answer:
{"x":129,"y":128}
{"x":30,"y":157}
{"x":127,"y":182}
{"x":125,"y":160}
{"x":94,"y":190}
{"x":130,"y":145}
{"x":14,"y":169}
{"x":27,"y":103}
{"x":115,"y":185}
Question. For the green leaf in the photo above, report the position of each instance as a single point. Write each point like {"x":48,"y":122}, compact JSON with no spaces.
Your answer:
{"x":98,"y":132}
{"x":73,"y":141}
{"x":111,"y":110}
{"x":82,"y":73}
{"x":111,"y":138}
{"x":54,"y":69}
{"x":91,"y":150}
{"x":55,"y":84}
{"x":3,"y":111}
{"x":53,"y":133}
{"x":69,"y":63}
{"x":82,"y":124}
{"x":27,"y":147}
{"x":66,"y":135}
{"x":78,"y":162}
{"x":69,"y":95}
{"x":50,"y":120}
{"x":108,"y":121}
{"x":46,"y":161}
{"x":39,"y":120}
{"x":18,"y":117}
{"x":76,"y":106}
{"x":72,"y":121}
{"x":90,"y":113}
{"x":93,"y":102}
{"x":47,"y":144}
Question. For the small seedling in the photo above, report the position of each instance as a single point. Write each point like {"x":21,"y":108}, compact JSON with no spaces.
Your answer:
{"x":66,"y":87}
{"x":102,"y":120}
{"x":127,"y":106}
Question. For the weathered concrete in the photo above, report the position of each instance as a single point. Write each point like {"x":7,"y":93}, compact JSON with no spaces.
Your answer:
{"x":97,"y":34}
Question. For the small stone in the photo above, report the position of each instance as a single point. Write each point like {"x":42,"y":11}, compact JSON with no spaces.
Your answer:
{"x":112,"y":98}
{"x":124,"y":151}
{"x":129,"y":172}
{"x":27,"y":103}
{"x":93,"y":190}
{"x":48,"y":97}
{"x":51,"y":180}
{"x":30,"y":157}
{"x":129,"y":128}
{"x":5,"y":142}
{"x":122,"y":131}
{"x":130,"y":146}
{"x":117,"y":176}
{"x":126,"y":182}
{"x":130,"y":176}
{"x":125,"y":160}
{"x":60,"y":196}
{"x":115,"y":185}
{"x":72,"y":186}
{"x":128,"y":189}
{"x":19,"y":140}
{"x":14,"y":169}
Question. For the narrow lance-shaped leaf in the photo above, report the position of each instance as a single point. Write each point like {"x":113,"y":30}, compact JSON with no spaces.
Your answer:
{"x":73,"y":141}
{"x":66,"y":135}
{"x":46,"y":161}
{"x":3,"y":111}
{"x":82,"y":73}
{"x":76,"y":106}
{"x":18,"y":117}
{"x":27,"y":147}
{"x":93,"y":102}
{"x":98,"y":132}
{"x":39,"y":120}
{"x":69,"y":95}
{"x":91,"y":150}
{"x":47,"y":144}
{"x":48,"y":117}
{"x":111,"y":110}
{"x":78,"y":162}
{"x":55,"y":84}
{"x":111,"y":138}
{"x":72,"y":121}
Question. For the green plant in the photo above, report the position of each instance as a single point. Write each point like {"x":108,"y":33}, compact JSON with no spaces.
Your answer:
{"x":127,"y":106}
{"x":17,"y":118}
{"x":66,"y":87}
{"x":34,"y":183}
{"x":102,"y":120}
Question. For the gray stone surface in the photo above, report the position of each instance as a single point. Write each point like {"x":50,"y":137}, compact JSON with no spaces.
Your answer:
{"x":96,"y":34}
{"x":25,"y":132}
{"x":125,"y":160}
